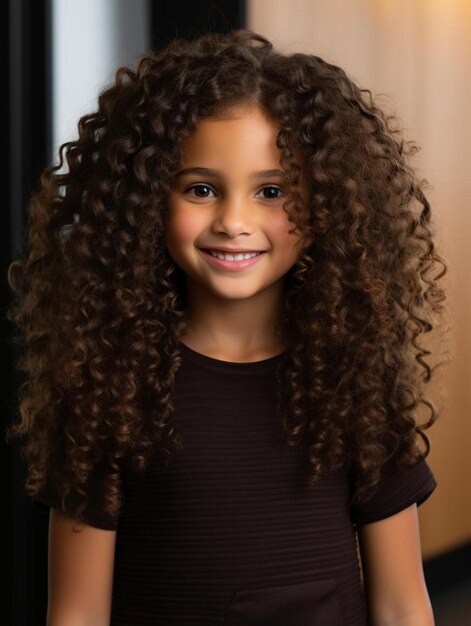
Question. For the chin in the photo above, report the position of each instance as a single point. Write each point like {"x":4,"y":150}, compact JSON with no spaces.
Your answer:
{"x":234,"y":293}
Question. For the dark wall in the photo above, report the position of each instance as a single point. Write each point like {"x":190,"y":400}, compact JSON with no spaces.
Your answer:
{"x":183,"y":18}
{"x":25,"y":124}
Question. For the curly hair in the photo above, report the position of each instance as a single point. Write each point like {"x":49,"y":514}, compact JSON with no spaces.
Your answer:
{"x":100,"y":304}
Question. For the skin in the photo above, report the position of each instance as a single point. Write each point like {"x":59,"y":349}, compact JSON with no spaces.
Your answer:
{"x":395,"y":587}
{"x":232,"y":314}
{"x":80,"y":572}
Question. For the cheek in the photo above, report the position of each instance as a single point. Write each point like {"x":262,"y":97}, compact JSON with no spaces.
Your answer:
{"x":279,"y":230}
{"x":182,"y":227}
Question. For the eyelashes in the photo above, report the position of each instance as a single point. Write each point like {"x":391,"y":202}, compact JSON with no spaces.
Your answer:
{"x":208,"y":187}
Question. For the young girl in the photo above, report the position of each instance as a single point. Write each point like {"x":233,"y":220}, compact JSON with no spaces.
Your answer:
{"x":221,"y":306}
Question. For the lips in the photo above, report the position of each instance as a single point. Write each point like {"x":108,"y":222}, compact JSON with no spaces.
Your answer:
{"x":231,"y":266}
{"x":228,"y":251}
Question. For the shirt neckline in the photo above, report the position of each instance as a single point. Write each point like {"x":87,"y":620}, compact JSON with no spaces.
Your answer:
{"x":233,"y":366}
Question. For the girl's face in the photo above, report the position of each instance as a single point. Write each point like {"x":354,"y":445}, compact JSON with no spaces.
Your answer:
{"x":232,"y":202}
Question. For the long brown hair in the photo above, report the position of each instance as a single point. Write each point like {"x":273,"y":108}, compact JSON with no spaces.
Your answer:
{"x":100,"y":304}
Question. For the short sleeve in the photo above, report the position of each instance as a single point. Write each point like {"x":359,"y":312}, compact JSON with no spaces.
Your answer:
{"x":94,"y":513}
{"x":399,"y":487}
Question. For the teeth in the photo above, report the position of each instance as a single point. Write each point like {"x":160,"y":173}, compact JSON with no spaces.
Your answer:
{"x":233,"y":257}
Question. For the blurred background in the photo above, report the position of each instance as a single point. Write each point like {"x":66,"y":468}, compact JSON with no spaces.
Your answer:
{"x":415,"y":57}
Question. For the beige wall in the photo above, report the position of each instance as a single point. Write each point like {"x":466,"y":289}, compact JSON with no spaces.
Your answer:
{"x":418,"y":52}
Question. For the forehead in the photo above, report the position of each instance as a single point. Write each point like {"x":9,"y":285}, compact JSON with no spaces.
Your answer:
{"x":244,"y":133}
{"x":239,"y":142}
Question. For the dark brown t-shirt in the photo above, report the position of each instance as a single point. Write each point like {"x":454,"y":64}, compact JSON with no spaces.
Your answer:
{"x":230,"y":534}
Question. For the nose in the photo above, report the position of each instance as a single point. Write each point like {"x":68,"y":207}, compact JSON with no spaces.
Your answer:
{"x":234,"y":215}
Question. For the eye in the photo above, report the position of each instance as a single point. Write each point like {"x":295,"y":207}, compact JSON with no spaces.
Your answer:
{"x":272,"y":197}
{"x":272,"y":187}
{"x":198,"y":187}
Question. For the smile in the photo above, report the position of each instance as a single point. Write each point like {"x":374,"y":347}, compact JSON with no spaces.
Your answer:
{"x":231,"y":262}
{"x":229,"y":256}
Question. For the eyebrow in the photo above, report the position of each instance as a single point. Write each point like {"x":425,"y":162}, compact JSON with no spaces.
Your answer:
{"x":214,"y":173}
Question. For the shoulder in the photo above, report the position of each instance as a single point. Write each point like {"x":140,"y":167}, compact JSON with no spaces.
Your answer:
{"x":399,"y":487}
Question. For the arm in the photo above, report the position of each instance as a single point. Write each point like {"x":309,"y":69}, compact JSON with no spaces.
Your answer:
{"x":80,"y":572}
{"x":391,"y":557}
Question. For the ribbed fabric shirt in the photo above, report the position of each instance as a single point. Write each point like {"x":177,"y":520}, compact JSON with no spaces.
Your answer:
{"x":230,"y":533}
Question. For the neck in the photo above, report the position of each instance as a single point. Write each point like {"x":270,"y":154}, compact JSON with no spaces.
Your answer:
{"x":236,"y":327}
